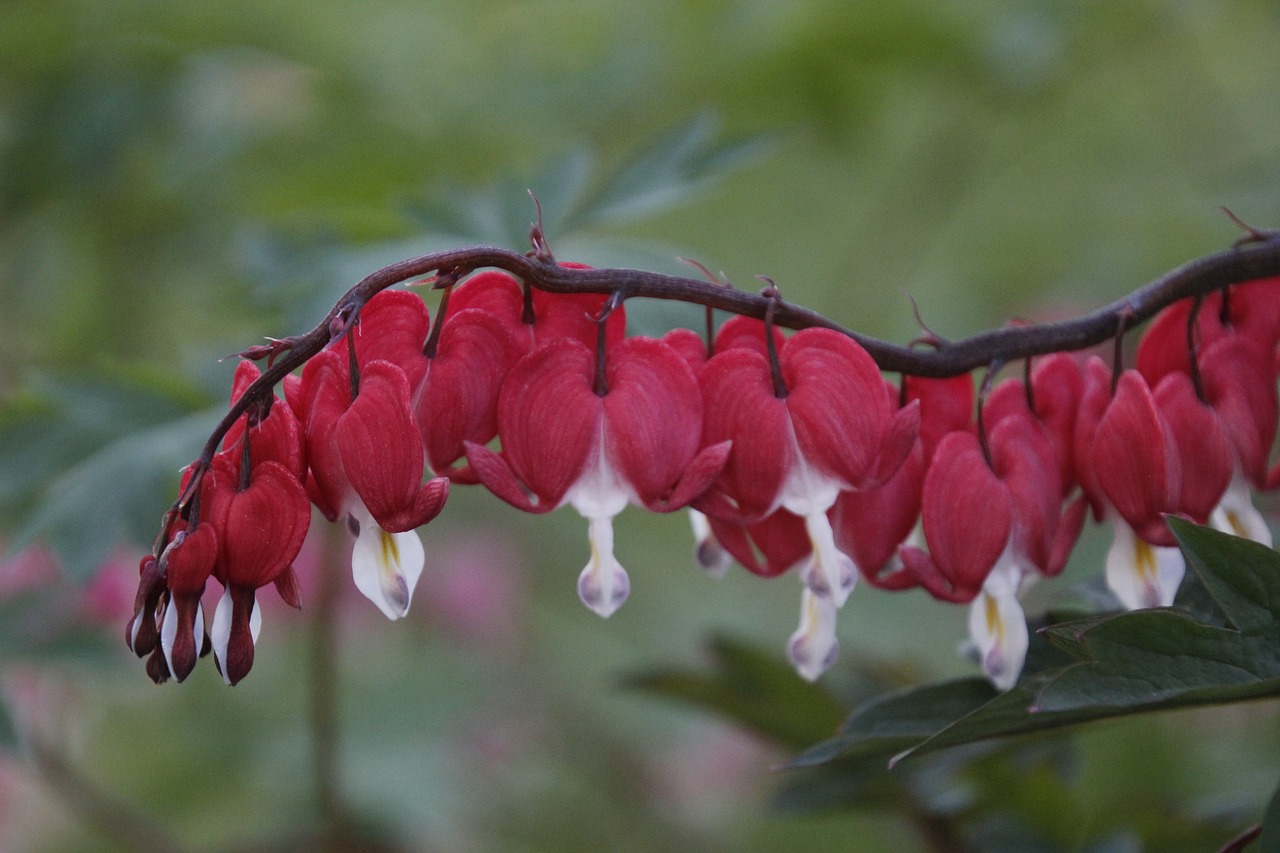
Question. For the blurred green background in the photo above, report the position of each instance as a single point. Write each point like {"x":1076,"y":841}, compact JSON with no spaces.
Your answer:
{"x":180,"y":179}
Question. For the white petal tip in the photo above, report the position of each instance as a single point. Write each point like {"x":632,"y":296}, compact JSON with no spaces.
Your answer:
{"x":712,"y":558}
{"x":813,"y":648}
{"x":998,"y":628}
{"x":386,"y":567}
{"x":605,"y":589}
{"x":811,"y":659}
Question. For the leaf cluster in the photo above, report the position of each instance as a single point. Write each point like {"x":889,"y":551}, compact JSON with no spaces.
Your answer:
{"x":939,"y":752}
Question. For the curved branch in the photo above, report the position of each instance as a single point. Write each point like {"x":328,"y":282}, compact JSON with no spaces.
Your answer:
{"x":1258,"y":257}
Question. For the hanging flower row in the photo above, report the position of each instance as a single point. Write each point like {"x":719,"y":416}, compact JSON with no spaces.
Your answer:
{"x":793,"y":454}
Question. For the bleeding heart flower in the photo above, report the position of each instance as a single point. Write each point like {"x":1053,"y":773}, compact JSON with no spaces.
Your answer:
{"x":568,"y":438}
{"x":548,"y":315}
{"x":817,"y":423}
{"x":367,"y":461}
{"x":1128,"y":465}
{"x":457,"y":399}
{"x":260,"y":526}
{"x":187,"y":562}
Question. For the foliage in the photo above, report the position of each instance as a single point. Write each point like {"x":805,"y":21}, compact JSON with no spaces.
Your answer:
{"x":1219,"y":645}
{"x":175,"y":185}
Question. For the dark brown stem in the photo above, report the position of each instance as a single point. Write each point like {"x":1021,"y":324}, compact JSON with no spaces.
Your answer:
{"x":987,"y":380}
{"x":1247,"y":262}
{"x":771,"y":346}
{"x":433,"y":337}
{"x":1193,"y":352}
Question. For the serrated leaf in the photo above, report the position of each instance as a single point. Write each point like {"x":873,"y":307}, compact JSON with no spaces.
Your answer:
{"x":1150,"y":657}
{"x":895,"y":722}
{"x":1242,"y":576}
{"x":1121,"y":664}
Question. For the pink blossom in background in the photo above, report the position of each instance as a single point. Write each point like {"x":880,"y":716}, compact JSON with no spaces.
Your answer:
{"x":107,"y":599}
{"x":31,"y":568}
{"x":474,"y":588}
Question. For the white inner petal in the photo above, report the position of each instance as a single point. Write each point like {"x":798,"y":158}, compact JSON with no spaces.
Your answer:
{"x":169,"y":632}
{"x":220,"y":631}
{"x":603,"y":585}
{"x":1140,"y":574}
{"x":813,"y":647}
{"x":599,"y":495}
{"x":1236,"y":514}
{"x":807,"y":493}
{"x":997,"y":624}
{"x":386,"y":566}
{"x":829,"y":572}
{"x":709,"y":553}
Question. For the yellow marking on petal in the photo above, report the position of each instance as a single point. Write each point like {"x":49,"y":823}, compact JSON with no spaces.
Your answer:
{"x":1145,"y":560}
{"x":994,"y":623}
{"x":1237,"y":524}
{"x":390,"y":550}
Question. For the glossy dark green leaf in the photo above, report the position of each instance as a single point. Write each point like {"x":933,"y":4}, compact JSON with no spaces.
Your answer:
{"x":1242,"y":576}
{"x":1108,"y":665}
{"x":900,"y":720}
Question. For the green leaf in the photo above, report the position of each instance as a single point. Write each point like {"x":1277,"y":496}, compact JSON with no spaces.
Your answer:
{"x":1270,"y":838}
{"x":672,"y":168}
{"x":1242,"y":576}
{"x":1106,"y":666}
{"x":750,"y":686}
{"x":60,"y":421}
{"x":895,"y":722}
{"x":115,"y":495}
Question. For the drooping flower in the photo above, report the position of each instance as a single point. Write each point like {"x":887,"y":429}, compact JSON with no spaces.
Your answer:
{"x":457,"y":399}
{"x":816,"y":423}
{"x":260,"y":525}
{"x":992,"y":525}
{"x":967,"y":516}
{"x":275,"y":437}
{"x":261,"y":464}
{"x":1128,"y":465}
{"x":187,"y":561}
{"x":367,"y":460}
{"x":567,"y":438}
{"x":1056,"y":387}
{"x":548,"y":315}
{"x":833,"y":430}
{"x":1251,"y":311}
{"x":871,"y":524}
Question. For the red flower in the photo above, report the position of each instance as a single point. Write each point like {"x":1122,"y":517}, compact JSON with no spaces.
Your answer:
{"x":1127,"y":462}
{"x":818,"y":425}
{"x":187,"y":562}
{"x":565,"y":440}
{"x":367,"y":461}
{"x":554,"y":315}
{"x":457,"y":399}
{"x":835,"y":429}
{"x":260,"y":526}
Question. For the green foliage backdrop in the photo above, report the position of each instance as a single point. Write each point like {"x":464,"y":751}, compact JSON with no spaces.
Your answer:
{"x":178,"y":180}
